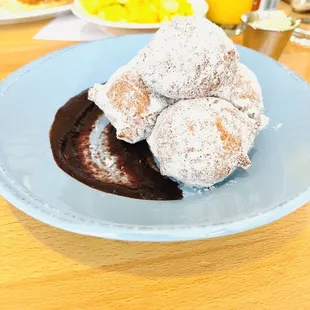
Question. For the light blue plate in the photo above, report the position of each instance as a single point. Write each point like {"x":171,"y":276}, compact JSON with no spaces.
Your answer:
{"x":277,"y":183}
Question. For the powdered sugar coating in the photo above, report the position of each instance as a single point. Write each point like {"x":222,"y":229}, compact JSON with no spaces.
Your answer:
{"x":245,"y":94}
{"x":128,"y":104}
{"x":200,"y":142}
{"x":188,"y":58}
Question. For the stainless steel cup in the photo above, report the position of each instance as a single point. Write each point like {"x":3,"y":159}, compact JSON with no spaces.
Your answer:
{"x":270,"y":42}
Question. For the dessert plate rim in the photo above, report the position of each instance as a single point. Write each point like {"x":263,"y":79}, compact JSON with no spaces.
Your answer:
{"x":27,"y":202}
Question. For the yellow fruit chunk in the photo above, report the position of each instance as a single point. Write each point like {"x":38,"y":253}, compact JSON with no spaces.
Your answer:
{"x":155,"y":3}
{"x":138,"y":11}
{"x":113,"y":13}
{"x":94,"y":6}
{"x":185,"y":8}
{"x":132,"y":7}
{"x":148,"y":14}
{"x":164,"y":17}
{"x":170,"y":6}
{"x":142,"y":11}
{"x":91,"y":6}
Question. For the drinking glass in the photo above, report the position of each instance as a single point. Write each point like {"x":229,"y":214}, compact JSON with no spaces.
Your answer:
{"x":227,"y":14}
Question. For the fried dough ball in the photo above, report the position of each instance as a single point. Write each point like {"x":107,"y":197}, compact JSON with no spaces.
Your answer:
{"x":128,"y":104}
{"x":187,"y":58}
{"x":245,"y":94}
{"x":200,"y":142}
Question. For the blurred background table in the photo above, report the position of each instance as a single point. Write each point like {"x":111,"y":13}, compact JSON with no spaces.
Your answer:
{"x":45,"y":268}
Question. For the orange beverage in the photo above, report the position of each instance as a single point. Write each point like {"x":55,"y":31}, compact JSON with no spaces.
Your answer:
{"x":227,"y":13}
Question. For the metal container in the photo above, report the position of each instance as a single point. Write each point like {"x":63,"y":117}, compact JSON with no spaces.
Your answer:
{"x":269,"y":4}
{"x":300,"y":6}
{"x":268,"y":41}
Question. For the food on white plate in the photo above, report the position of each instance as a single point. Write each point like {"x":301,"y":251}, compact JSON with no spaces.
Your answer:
{"x":138,"y":11}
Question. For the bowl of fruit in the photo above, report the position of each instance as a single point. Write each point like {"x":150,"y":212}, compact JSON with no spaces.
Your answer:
{"x":136,"y":14}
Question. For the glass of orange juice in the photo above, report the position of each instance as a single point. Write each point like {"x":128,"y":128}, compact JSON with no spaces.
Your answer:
{"x":227,"y":14}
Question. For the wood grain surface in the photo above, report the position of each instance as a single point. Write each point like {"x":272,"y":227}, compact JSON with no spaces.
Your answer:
{"x":45,"y":268}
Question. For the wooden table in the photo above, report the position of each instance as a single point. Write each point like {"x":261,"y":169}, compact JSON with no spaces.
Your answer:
{"x":45,"y":268}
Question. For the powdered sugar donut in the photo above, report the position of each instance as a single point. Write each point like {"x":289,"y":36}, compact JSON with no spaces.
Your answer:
{"x":128,"y":104}
{"x":245,"y":94}
{"x":187,"y":58}
{"x":200,"y":142}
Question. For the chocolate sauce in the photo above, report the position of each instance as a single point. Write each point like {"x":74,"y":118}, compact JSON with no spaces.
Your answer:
{"x":126,"y":169}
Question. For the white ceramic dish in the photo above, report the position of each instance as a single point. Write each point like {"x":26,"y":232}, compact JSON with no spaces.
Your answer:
{"x":277,"y":183}
{"x":200,"y":8}
{"x":7,"y":18}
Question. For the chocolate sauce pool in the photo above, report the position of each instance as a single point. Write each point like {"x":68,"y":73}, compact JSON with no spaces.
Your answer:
{"x":98,"y":159}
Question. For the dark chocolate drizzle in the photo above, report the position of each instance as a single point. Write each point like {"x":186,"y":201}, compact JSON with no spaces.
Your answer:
{"x":134,"y":172}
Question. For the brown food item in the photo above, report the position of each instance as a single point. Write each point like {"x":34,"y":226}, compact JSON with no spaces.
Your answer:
{"x":128,"y":104}
{"x":245,"y":94}
{"x":130,"y":83}
{"x":200,"y":142}
{"x":188,"y":58}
